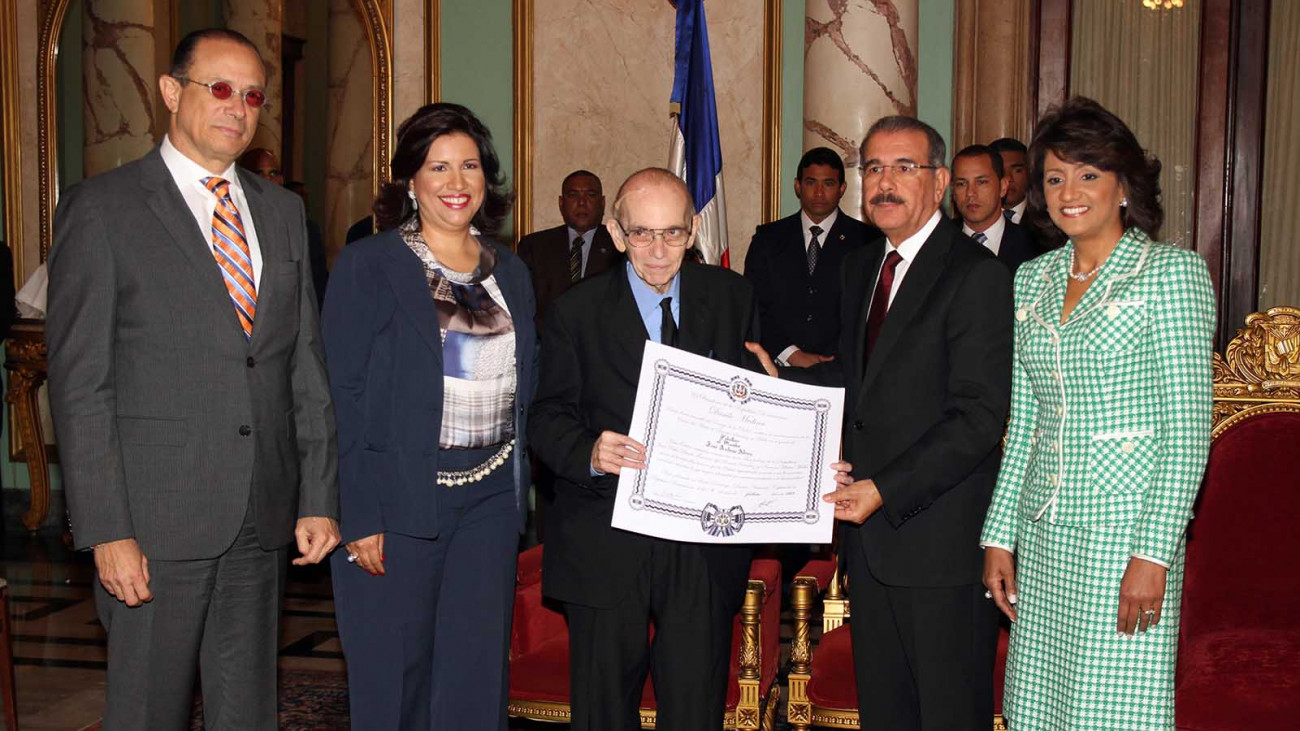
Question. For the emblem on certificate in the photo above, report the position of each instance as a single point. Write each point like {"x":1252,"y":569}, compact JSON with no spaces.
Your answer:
{"x":732,"y":456}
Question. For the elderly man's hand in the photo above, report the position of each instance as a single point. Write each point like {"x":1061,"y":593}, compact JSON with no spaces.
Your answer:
{"x":764,"y":359}
{"x":613,"y":451}
{"x":804,"y":359}
{"x":856,"y":502}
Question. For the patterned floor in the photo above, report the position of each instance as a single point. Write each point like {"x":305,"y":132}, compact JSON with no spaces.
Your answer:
{"x":60,"y":648}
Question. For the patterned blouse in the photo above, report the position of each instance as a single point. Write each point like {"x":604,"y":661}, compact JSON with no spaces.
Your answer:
{"x":478,"y":349}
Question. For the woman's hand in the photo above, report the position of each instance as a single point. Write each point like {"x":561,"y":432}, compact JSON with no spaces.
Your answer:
{"x":1000,"y":579}
{"x":1141,"y":594}
{"x":369,"y":552}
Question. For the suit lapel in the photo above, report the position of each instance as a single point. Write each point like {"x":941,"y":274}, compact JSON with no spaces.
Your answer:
{"x":602,"y":256}
{"x":169,"y":206}
{"x":920,"y":278}
{"x":405,"y":274}
{"x":626,"y":327}
{"x":272,"y":239}
{"x":1122,"y":264}
{"x":861,"y":306}
{"x":693,"y":331}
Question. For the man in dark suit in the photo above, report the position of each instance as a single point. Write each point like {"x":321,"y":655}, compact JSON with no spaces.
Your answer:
{"x":558,"y":257}
{"x":925,"y":357}
{"x":190,"y":401}
{"x":794,"y":264}
{"x":610,"y":581}
{"x":1015,"y":161}
{"x":978,"y":184}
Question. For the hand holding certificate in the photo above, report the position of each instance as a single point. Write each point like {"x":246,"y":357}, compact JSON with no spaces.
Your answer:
{"x":731,"y":456}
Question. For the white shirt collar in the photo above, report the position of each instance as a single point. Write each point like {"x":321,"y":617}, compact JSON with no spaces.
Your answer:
{"x":825,"y":225}
{"x":911,"y":246}
{"x":992,"y":234}
{"x":187,"y":172}
{"x":586,"y":238}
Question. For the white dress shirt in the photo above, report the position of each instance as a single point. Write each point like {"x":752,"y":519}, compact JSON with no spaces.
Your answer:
{"x":202,"y":203}
{"x":825,"y":226}
{"x":1018,"y":211}
{"x":992,"y":234}
{"x":908,"y":249}
{"x":587,"y":238}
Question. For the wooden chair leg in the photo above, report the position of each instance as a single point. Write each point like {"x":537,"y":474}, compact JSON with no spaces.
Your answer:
{"x":7,"y":662}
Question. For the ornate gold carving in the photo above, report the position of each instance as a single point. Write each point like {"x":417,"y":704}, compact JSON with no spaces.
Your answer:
{"x":12,"y":142}
{"x":25,"y":355}
{"x":1260,"y":365}
{"x":772,"y":28}
{"x":522,"y":17}
{"x":433,"y":49}
{"x":381,"y":67}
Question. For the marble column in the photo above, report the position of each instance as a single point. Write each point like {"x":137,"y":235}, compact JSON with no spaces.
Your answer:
{"x":349,"y":182}
{"x":859,"y":66}
{"x":120,"y":82}
{"x":991,"y":88}
{"x":262,"y":21}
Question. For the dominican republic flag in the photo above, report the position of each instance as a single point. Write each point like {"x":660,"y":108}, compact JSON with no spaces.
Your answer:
{"x":696,"y":154}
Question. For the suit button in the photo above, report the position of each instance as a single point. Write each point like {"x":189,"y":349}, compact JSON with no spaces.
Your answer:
{"x":245,"y":430}
{"x":857,"y":426}
{"x":812,"y":290}
{"x":250,"y":362}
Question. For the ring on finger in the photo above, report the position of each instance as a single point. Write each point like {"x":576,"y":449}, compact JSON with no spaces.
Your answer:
{"x":352,"y":557}
{"x":988,"y":595}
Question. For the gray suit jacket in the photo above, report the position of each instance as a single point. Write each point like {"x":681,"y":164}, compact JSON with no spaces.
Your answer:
{"x":171,"y":425}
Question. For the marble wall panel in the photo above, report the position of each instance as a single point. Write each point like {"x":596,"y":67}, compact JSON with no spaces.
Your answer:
{"x":603,"y":73}
{"x":859,"y":65}
{"x":349,"y":161}
{"x":410,"y":87}
{"x":263,"y":22}
{"x":119,"y":82}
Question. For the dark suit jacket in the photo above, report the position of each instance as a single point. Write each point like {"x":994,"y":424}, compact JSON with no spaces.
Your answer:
{"x":1017,"y":246}
{"x":166,"y":415}
{"x":384,"y":349}
{"x":591,"y":359}
{"x":795,"y":308}
{"x":547,"y":255}
{"x":924,"y":417}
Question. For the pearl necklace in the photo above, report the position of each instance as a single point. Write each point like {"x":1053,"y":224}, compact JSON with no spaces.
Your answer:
{"x":1081,"y":276}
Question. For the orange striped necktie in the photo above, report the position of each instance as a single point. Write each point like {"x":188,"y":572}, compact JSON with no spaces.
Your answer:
{"x":230,"y":247}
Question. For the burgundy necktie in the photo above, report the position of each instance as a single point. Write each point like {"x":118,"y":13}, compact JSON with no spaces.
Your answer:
{"x":880,"y":301}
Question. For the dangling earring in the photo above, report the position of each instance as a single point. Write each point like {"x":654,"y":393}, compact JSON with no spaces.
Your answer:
{"x":1122,"y":204}
{"x":415,"y":204}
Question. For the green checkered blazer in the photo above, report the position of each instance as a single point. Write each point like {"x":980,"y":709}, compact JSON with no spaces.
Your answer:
{"x":1110,"y":412}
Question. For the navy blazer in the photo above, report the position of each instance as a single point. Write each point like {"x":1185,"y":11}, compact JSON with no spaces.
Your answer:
{"x":383,"y":348}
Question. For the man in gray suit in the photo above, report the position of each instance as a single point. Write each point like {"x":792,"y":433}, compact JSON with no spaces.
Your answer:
{"x":190,"y":401}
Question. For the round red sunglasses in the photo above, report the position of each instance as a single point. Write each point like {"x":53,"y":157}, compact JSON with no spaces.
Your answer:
{"x":255,"y":98}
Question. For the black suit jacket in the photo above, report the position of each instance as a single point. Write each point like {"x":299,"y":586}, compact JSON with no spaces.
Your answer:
{"x":794,"y":307}
{"x":547,"y":255}
{"x":1017,"y":246}
{"x":925,"y":415}
{"x":591,"y":359}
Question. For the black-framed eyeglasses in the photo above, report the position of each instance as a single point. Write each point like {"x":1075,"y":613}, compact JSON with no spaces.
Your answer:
{"x":902,"y":169}
{"x":221,"y":91}
{"x":642,"y":237}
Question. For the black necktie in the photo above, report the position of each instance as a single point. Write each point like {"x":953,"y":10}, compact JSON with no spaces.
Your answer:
{"x":980,"y":237}
{"x":814,"y":248}
{"x":667,"y":326}
{"x":575,"y":259}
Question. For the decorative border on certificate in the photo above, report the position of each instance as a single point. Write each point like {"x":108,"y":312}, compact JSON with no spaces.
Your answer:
{"x":714,"y":520}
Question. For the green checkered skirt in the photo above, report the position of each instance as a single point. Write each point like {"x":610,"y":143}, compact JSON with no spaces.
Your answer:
{"x":1068,"y":668}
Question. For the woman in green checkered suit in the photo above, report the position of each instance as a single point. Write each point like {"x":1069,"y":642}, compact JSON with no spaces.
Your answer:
{"x":1109,"y":433}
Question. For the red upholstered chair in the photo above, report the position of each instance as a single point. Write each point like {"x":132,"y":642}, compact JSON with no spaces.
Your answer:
{"x":823,"y":686}
{"x":539,"y":652}
{"x":1239,"y":645}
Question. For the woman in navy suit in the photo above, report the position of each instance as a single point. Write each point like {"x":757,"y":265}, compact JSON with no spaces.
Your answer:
{"x":430,"y":345}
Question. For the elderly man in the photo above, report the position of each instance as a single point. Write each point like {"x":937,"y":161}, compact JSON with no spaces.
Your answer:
{"x":978,"y":184}
{"x":925,"y":357}
{"x":191,"y":402}
{"x":611,"y":582}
